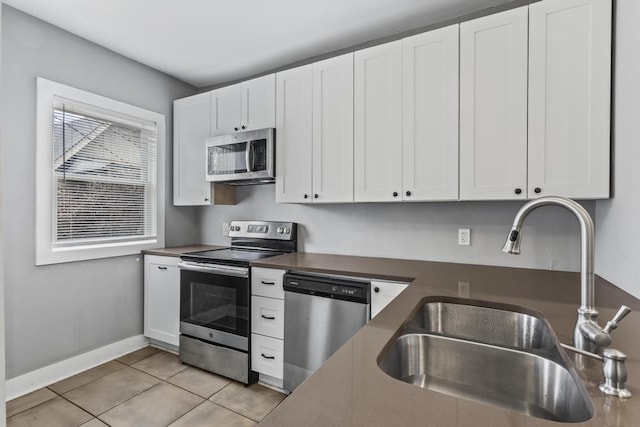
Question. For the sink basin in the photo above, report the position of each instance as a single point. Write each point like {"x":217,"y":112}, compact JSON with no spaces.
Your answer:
{"x":500,"y":324}
{"x":491,"y":353}
{"x":511,"y":379}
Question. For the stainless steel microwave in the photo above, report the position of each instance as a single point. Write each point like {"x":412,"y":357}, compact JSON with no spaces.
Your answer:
{"x":241,"y":158}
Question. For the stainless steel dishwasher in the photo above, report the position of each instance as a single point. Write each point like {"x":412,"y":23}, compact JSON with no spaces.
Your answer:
{"x":321,"y":313}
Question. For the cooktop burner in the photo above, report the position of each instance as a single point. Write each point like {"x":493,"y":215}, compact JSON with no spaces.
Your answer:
{"x":232,"y":255}
{"x":251,"y":241}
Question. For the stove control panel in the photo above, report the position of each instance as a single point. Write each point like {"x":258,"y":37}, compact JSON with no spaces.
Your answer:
{"x":263,"y":230}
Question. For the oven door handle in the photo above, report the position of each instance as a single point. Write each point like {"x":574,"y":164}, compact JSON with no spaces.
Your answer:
{"x":224,"y":270}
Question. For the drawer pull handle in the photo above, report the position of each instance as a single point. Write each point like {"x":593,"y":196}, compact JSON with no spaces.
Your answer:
{"x":268,"y":317}
{"x":267,"y":283}
{"x":267,"y":357}
{"x":162,"y":268}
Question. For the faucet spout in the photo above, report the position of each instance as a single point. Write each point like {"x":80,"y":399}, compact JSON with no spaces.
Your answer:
{"x":512,"y":245}
{"x":587,"y":330}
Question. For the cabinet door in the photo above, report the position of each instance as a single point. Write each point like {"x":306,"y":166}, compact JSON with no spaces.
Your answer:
{"x":333,"y":130}
{"x":378,"y":123}
{"x":430,"y":115}
{"x":293,"y":135}
{"x":162,"y":299}
{"x":226,"y":110}
{"x":569,"y":98}
{"x":191,"y":122}
{"x":259,"y":103}
{"x":493,"y":106}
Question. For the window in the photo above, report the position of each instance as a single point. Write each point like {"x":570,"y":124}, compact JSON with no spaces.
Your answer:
{"x":99,"y":176}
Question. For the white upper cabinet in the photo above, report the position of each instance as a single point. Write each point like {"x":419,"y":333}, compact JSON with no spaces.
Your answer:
{"x":191,"y":121}
{"x":226,"y":110}
{"x":569,"y":98}
{"x":314,"y":132}
{"x":493,"y":106}
{"x":378,"y":123}
{"x":294,"y":135}
{"x":333,"y":130}
{"x":244,"y":106}
{"x":259,"y":102}
{"x":430,"y":115}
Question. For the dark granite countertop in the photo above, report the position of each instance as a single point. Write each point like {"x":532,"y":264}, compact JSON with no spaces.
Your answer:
{"x":350,"y":389}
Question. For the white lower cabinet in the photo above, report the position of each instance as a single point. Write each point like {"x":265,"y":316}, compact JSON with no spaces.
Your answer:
{"x":267,"y":324}
{"x":162,"y":299}
{"x":382,"y":293}
{"x":267,"y":356}
{"x":267,"y":282}
{"x":267,"y":316}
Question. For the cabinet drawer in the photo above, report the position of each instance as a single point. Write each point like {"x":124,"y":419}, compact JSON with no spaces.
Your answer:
{"x":267,"y":316}
{"x":267,"y":282}
{"x":267,"y":355}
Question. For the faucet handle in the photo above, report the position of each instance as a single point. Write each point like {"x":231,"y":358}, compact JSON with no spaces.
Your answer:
{"x":613,"y":323}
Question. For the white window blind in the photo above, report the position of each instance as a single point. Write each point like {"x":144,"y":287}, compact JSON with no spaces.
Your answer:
{"x":100,"y":176}
{"x":105,"y":175}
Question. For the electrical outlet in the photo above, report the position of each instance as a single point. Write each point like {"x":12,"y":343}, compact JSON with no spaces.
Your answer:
{"x":464,"y":237}
{"x":225,"y":228}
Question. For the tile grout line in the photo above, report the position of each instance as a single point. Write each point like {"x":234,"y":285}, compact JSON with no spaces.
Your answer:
{"x":208,"y":399}
{"x":161,"y":381}
{"x":272,"y":409}
{"x":47,"y":387}
{"x":96,"y":379}
{"x":235,"y":412}
{"x":238,"y":413}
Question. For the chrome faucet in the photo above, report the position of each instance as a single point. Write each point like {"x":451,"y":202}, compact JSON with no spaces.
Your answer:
{"x":587,"y":334}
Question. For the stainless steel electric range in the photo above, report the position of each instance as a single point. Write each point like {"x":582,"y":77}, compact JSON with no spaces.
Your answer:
{"x":215,"y":297}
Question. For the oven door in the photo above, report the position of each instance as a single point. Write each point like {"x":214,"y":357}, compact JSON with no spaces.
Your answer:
{"x":214,"y":303}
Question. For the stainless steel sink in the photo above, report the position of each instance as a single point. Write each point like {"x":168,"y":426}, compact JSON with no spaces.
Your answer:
{"x":496,"y":354}
{"x":499,"y":324}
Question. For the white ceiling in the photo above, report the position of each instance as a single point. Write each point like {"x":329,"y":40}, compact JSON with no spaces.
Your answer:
{"x":208,"y":42}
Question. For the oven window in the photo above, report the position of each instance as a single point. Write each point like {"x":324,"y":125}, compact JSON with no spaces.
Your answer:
{"x":222,"y":307}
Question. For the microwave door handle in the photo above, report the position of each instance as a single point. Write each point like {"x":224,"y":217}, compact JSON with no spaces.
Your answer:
{"x":249,"y":156}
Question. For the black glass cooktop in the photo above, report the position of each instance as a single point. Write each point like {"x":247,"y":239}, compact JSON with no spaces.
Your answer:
{"x":230,"y":256}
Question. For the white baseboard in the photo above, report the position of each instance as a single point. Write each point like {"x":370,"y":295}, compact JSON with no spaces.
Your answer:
{"x":34,"y":380}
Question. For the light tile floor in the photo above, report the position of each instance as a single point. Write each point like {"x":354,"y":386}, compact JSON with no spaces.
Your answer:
{"x":149,"y":387}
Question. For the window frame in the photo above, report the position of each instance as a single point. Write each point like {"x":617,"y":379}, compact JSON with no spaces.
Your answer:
{"x":46,"y":252}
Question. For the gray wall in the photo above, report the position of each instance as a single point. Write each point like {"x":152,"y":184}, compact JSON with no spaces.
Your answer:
{"x":618,"y":233}
{"x":59,"y":311}
{"x":424,"y":231}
